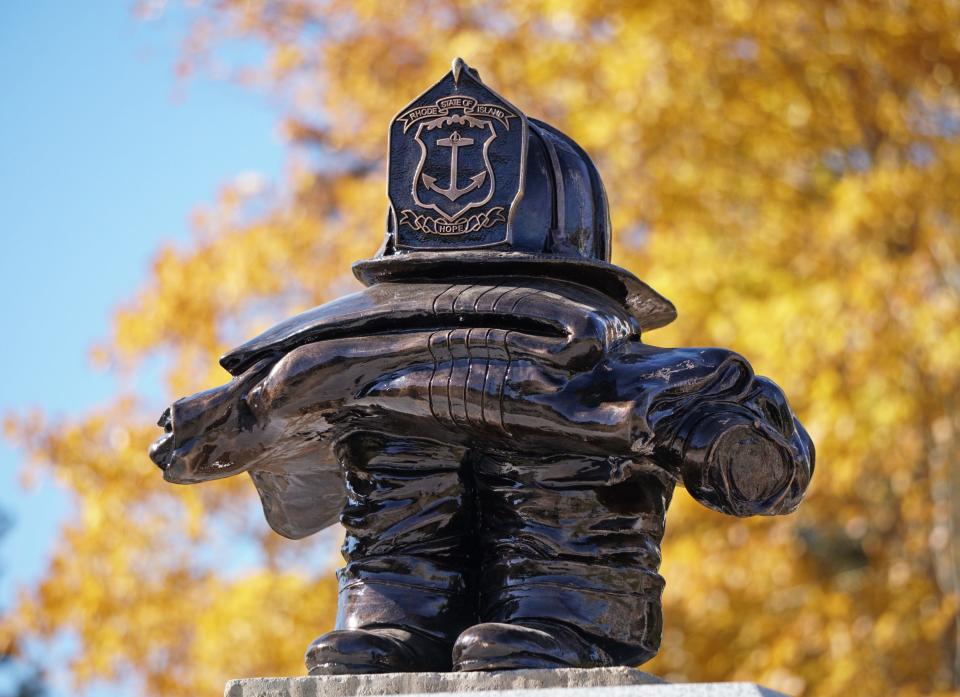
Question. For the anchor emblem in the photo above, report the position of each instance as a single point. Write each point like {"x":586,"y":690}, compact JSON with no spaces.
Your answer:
{"x":449,"y":145}
{"x":454,"y":142}
{"x":457,"y":165}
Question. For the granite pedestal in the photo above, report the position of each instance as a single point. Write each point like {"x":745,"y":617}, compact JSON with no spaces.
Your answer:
{"x":574,"y":682}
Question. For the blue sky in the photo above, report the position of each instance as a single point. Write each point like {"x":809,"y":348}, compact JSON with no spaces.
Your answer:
{"x":103,"y":155}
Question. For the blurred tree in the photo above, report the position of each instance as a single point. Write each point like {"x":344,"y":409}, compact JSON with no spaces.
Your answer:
{"x":786,"y":172}
{"x":18,"y":683}
{"x":17,"y":679}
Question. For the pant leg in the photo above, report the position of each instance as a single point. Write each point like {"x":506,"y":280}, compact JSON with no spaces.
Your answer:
{"x":407,"y":549}
{"x":574,"y":540}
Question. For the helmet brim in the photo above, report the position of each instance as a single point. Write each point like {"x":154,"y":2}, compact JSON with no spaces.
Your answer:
{"x":651,"y":309}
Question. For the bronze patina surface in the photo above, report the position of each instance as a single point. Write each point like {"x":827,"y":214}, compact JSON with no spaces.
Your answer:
{"x":484,"y":418}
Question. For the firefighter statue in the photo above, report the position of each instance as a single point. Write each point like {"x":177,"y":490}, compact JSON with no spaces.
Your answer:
{"x":484,"y":418}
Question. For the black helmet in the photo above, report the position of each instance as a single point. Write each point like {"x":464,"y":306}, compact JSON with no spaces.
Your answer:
{"x":478,"y":189}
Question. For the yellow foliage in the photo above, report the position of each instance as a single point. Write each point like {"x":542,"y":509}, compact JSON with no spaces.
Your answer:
{"x":786,"y":172}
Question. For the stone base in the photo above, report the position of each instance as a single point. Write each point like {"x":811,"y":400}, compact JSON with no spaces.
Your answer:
{"x":572,"y":682}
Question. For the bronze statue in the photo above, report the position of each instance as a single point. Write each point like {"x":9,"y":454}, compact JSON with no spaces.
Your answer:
{"x":484,"y":419}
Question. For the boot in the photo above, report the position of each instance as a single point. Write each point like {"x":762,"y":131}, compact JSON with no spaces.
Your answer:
{"x":525,"y":644}
{"x":377,"y":650}
{"x":571,"y":548}
{"x":405,"y":591}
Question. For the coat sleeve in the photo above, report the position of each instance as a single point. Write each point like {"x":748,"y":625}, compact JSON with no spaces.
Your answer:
{"x":734,"y":439}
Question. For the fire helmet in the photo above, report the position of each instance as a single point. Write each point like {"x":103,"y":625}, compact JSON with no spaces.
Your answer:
{"x":478,"y":189}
